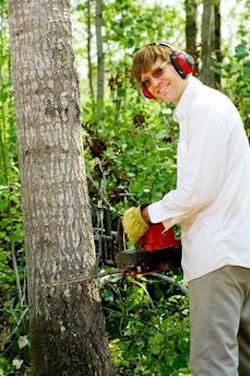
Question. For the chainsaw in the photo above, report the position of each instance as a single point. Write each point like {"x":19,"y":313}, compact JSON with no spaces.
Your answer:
{"x":157,"y":250}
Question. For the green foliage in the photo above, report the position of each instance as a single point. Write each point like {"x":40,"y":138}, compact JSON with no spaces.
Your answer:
{"x":148,"y":327}
{"x":7,"y":125}
{"x":131,"y":153}
{"x":236,"y":73}
{"x":13,"y":347}
{"x":128,"y":24}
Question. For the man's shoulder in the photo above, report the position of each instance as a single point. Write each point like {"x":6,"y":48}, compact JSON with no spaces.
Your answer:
{"x":211,"y":101}
{"x":209,"y":97}
{"x":213,"y":108}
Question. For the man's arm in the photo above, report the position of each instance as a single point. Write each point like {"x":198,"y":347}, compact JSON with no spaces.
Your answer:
{"x":205,"y":161}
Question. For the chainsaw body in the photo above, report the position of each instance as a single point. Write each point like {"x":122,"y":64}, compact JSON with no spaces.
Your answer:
{"x":157,"y":250}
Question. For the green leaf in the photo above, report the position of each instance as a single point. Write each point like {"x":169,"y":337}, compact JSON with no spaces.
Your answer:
{"x":3,"y":96}
{"x":241,"y":51}
{"x":246,"y":67}
{"x":107,"y":295}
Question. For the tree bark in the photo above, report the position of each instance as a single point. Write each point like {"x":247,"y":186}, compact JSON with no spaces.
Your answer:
{"x":3,"y":127}
{"x":217,"y":42}
{"x":207,"y":43}
{"x":191,"y":31}
{"x":100,"y":55}
{"x":67,"y":326}
{"x":90,"y":76}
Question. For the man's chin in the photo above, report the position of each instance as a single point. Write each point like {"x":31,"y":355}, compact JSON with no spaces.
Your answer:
{"x":165,"y":98}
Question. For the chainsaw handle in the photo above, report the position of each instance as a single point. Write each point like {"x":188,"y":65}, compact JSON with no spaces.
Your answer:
{"x":120,"y":236}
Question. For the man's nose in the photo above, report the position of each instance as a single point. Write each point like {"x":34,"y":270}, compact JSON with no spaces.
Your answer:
{"x":154,"y":81}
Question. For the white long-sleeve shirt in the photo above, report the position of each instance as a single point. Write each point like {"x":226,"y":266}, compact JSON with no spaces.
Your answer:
{"x":212,"y":197}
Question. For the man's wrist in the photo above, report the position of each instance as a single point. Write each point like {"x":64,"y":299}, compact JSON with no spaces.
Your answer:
{"x":145,"y":215}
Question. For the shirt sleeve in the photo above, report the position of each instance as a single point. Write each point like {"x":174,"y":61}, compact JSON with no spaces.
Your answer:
{"x":205,"y":163}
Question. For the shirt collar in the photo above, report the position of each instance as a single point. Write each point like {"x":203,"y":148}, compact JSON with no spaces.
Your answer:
{"x":187,"y":97}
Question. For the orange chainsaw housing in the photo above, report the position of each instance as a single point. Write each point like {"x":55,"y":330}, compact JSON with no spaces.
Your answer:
{"x":157,"y":251}
{"x":157,"y":238}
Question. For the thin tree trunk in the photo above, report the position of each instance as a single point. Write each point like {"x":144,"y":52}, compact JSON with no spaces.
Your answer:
{"x":3,"y":130}
{"x":90,"y":76}
{"x":100,"y":55}
{"x":207,"y":43}
{"x":67,"y":327}
{"x":217,"y":41}
{"x":191,"y":31}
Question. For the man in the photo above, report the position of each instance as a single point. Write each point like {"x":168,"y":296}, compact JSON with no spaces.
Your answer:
{"x":211,"y":203}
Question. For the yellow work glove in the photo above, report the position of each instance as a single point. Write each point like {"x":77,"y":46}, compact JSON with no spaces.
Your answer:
{"x":134,"y":224}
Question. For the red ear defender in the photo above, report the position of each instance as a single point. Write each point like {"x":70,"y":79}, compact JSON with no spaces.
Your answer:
{"x":146,"y":92}
{"x":182,"y":62}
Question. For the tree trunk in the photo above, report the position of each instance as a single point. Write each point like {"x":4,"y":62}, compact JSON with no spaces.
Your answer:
{"x":207,"y":43}
{"x":3,"y":125}
{"x":100,"y":56}
{"x":90,"y":76}
{"x":67,"y":327}
{"x":191,"y":31}
{"x":217,"y":42}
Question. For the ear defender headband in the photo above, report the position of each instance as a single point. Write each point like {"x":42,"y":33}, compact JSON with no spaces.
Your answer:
{"x":182,"y":62}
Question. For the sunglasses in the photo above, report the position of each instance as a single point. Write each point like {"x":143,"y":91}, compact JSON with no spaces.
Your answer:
{"x":157,"y":73}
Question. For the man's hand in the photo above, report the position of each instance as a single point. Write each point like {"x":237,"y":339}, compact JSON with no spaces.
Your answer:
{"x":134,"y":224}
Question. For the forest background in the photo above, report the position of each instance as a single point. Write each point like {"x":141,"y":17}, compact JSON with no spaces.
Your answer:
{"x":130,"y":156}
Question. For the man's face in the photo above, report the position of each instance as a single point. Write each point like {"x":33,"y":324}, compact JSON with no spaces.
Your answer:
{"x":164,"y":82}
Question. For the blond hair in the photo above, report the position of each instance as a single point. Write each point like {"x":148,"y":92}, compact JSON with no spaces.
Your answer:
{"x":146,"y":57}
